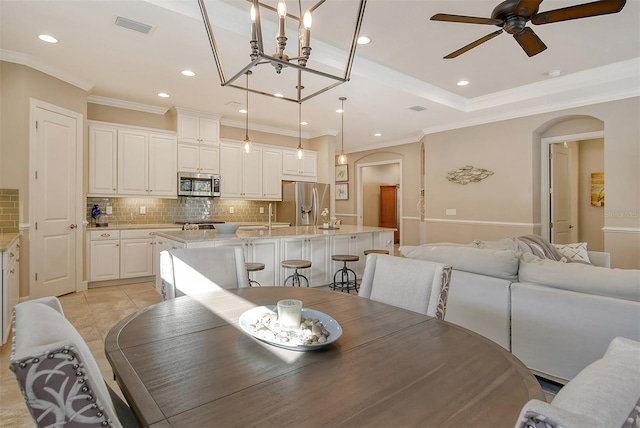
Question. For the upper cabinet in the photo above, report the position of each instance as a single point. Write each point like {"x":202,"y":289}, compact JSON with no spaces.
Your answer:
{"x":197,"y":127}
{"x":255,"y":175}
{"x":304,"y":169}
{"x":198,"y":141}
{"x":131,"y":161}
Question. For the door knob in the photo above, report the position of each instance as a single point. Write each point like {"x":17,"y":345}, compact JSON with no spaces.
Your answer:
{"x":73,"y":226}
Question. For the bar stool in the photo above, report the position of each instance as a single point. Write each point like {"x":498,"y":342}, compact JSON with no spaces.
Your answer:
{"x":376,"y":252}
{"x":345,"y":283}
{"x":295,"y":277}
{"x":253,"y":267}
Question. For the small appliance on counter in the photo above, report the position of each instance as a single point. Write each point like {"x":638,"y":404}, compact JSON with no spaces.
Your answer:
{"x":198,"y":224}
{"x":101,"y":219}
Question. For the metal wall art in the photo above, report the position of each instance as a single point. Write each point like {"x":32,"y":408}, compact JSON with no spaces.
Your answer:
{"x":468,"y":174}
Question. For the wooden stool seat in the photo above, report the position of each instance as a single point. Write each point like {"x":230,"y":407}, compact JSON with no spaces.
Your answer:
{"x":253,"y":267}
{"x":376,"y":252}
{"x":345,"y":258}
{"x":295,"y":277}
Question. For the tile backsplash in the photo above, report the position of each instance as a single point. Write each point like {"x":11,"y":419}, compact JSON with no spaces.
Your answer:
{"x":9,"y":213}
{"x":162,"y":211}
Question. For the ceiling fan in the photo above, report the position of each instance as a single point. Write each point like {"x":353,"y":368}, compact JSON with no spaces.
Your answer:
{"x":512,"y":16}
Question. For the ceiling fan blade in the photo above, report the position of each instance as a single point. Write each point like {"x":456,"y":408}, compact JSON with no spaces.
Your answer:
{"x":473,"y":45}
{"x":529,"y":41}
{"x":602,"y":7}
{"x":466,"y":19}
{"x":527,"y":8}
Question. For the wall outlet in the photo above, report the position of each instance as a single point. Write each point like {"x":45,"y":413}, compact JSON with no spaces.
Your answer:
{"x":109,"y":209}
{"x":231,"y":210}
{"x":451,"y":211}
{"x":261,"y":210}
{"x":143,"y":210}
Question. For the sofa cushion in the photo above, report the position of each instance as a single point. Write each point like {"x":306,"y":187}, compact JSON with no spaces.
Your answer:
{"x":582,"y":278}
{"x":498,"y":263}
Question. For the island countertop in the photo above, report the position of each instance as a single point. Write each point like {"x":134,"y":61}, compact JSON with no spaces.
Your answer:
{"x":187,"y":236}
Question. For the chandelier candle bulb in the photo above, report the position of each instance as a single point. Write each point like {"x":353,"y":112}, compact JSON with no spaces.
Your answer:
{"x":306,"y":21}
{"x":254,"y":31}
{"x":282,"y":13}
{"x":289,"y":314}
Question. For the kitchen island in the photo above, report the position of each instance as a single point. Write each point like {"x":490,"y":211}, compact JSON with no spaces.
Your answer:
{"x":270,"y":247}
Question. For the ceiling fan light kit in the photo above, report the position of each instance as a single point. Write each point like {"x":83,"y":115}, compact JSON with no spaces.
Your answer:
{"x":512,"y":16}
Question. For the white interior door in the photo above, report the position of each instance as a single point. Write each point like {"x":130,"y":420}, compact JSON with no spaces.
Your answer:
{"x":560,"y":194}
{"x":54,"y":213}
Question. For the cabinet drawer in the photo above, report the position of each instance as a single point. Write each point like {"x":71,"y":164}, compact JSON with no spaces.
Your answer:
{"x":101,"y":235}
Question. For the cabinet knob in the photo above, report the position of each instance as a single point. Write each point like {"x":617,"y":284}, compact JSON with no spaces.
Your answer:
{"x":11,"y":254}
{"x":12,"y":271}
{"x":73,"y":226}
{"x":117,"y":245}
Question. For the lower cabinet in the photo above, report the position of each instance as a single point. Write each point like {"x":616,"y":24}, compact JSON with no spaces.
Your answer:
{"x":258,"y":251}
{"x":9,"y":291}
{"x":351,"y":244}
{"x":384,"y":241}
{"x":122,"y":254}
{"x":316,"y":250}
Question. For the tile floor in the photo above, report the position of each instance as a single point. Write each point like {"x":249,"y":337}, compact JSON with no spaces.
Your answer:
{"x":93,"y":313}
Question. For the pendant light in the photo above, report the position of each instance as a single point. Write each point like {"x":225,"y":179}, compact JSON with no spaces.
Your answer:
{"x":247,"y":146}
{"x":300,"y":149}
{"x":342,"y":158}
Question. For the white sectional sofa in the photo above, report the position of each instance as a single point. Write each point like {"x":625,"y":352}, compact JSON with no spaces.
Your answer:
{"x":556,"y":317}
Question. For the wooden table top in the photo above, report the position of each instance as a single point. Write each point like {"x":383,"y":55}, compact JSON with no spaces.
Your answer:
{"x":186,"y":363}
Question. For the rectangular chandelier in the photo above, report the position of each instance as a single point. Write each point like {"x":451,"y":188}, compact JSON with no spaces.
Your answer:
{"x":293,"y":60}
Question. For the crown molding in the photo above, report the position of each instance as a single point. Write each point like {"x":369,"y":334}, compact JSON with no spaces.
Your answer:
{"x":129,"y":105}
{"x":30,"y":61}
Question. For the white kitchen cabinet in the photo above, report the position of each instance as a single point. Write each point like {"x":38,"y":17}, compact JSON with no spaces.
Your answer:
{"x":305,"y":169}
{"x":240,"y":172}
{"x":354,"y":245}
{"x":136,"y":253}
{"x":103,"y":156}
{"x":383,"y":241}
{"x":265,"y":251}
{"x":104,"y":248}
{"x":10,"y":286}
{"x":316,"y":250}
{"x":256,"y":175}
{"x":198,"y":129}
{"x":146,"y":164}
{"x":159,"y":244}
{"x":198,"y":159}
{"x":272,"y":174}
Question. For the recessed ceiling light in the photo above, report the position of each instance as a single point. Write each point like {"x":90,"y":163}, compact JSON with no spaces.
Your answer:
{"x":377,"y":134}
{"x":163,"y":95}
{"x":463,"y":83}
{"x":47,"y":38}
{"x":303,"y":123}
{"x":364,"y":40}
{"x":339,"y":110}
{"x":243,"y":111}
{"x":554,"y":73}
{"x":278,"y":95}
{"x":188,"y":73}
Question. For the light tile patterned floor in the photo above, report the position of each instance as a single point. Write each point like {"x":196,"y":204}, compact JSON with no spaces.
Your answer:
{"x":93,"y":313}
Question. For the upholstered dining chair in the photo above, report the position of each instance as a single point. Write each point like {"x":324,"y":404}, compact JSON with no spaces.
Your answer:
{"x":417,"y":285}
{"x":57,"y":374}
{"x":191,"y":271}
{"x":606,"y":393}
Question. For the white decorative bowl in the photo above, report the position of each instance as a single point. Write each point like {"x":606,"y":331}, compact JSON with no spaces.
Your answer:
{"x":226,"y":228}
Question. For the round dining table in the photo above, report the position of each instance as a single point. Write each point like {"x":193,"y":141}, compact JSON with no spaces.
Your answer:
{"x":187,"y":362}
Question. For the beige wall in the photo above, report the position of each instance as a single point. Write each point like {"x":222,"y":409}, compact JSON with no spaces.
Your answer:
{"x":508,"y":202}
{"x":409,"y":156}
{"x":130,"y":117}
{"x":590,"y":219}
{"x":372,"y":178}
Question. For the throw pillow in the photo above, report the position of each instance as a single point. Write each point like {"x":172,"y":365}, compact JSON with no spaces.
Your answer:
{"x":576,"y":252}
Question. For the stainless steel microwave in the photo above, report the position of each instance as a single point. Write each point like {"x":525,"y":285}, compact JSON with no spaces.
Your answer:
{"x":191,"y":184}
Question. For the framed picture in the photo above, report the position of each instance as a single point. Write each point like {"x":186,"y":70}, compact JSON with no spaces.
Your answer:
{"x":597,"y":189}
{"x":342,"y":173}
{"x":342,"y":192}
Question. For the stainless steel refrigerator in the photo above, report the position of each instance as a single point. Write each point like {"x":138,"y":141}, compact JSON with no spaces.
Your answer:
{"x":302,"y":203}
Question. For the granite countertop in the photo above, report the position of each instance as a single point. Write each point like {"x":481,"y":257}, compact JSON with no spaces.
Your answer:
{"x":126,"y":226}
{"x":6,"y":239}
{"x":283,"y":232}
